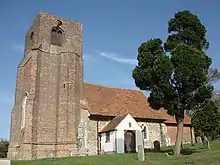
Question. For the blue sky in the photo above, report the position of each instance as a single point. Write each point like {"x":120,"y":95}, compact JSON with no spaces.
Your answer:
{"x":112,"y":32}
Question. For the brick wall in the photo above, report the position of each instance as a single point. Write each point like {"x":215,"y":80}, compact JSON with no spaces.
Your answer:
{"x":187,"y":135}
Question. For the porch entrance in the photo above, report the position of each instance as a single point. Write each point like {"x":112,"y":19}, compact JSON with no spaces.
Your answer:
{"x":129,"y":141}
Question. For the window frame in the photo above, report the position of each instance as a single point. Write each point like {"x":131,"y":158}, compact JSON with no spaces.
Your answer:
{"x":57,"y":36}
{"x":145,"y":132}
{"x":108,"y":137}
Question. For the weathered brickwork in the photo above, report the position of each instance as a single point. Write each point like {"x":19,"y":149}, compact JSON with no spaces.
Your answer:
{"x":188,"y":134}
{"x":94,"y":126}
{"x":51,"y":77}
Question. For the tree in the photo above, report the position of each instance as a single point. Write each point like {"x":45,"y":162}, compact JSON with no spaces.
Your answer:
{"x":176,"y":73}
{"x":3,"y":148}
{"x":206,"y":120}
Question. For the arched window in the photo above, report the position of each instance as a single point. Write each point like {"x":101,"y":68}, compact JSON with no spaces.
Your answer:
{"x":31,"y":40}
{"x":23,"y":110}
{"x":145,"y":132}
{"x":32,"y":35}
{"x":56,"y":36}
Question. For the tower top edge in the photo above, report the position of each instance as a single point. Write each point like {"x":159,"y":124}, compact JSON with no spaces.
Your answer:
{"x":53,"y":16}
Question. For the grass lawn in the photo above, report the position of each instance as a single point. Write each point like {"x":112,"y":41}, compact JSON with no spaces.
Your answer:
{"x":192,"y":155}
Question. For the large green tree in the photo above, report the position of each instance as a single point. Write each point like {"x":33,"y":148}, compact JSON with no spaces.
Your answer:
{"x":176,"y":73}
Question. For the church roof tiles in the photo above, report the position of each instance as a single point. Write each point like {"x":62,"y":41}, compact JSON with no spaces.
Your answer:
{"x":109,"y":101}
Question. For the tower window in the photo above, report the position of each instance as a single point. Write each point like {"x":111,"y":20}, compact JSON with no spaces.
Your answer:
{"x":57,"y":35}
{"x":31,"y":40}
{"x":31,"y":36}
{"x":23,"y":111}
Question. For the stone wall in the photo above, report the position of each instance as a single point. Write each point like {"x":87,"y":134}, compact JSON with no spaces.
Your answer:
{"x":156,"y":132}
{"x":94,"y":126}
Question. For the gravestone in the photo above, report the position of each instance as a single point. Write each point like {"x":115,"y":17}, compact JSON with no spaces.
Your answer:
{"x":5,"y":162}
{"x":199,"y":139}
{"x":157,"y":146}
{"x":141,"y":153}
{"x":206,"y":142}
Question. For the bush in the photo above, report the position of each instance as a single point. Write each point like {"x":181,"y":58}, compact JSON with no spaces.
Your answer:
{"x":3,"y":148}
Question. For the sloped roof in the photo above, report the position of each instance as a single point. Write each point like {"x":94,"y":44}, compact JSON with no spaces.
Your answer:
{"x":172,"y":120}
{"x":113,"y":123}
{"x":109,"y":101}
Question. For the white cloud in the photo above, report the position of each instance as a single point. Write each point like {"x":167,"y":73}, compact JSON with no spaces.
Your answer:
{"x":119,"y":59}
{"x":18,"y":47}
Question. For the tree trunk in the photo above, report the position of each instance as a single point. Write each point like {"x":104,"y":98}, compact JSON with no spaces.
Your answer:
{"x":179,"y":137}
{"x":182,"y":142}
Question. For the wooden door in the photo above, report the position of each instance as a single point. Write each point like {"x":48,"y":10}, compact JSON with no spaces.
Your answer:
{"x":129,"y":141}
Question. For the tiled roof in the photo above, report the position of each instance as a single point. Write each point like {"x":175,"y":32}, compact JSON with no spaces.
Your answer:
{"x":113,"y":123}
{"x":172,"y":120}
{"x":109,"y":101}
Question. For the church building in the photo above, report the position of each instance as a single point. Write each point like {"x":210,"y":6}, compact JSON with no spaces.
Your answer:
{"x":57,"y":114}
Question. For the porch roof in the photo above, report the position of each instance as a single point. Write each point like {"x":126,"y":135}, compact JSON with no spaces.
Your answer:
{"x":113,"y":124}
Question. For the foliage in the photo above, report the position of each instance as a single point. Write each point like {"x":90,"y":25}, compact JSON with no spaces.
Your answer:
{"x":176,"y":74}
{"x":206,"y":120}
{"x":186,"y":28}
{"x":196,"y":155}
{"x":3,"y":148}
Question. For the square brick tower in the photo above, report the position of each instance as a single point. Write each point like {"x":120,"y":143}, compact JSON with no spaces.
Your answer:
{"x":46,"y":111}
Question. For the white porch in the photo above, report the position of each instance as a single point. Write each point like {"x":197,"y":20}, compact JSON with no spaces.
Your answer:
{"x":121,"y":135}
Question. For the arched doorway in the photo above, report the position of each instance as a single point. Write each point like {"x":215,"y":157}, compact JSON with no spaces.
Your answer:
{"x":129,"y":141}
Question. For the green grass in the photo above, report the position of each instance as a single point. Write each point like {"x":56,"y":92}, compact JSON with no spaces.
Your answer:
{"x":192,"y":155}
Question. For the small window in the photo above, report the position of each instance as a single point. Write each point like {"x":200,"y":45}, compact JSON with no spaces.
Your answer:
{"x":31,"y":40}
{"x":129,"y":124}
{"x":107,"y":137}
{"x":32,"y":35}
{"x":56,"y":37}
{"x":145,"y":132}
{"x":23,"y":110}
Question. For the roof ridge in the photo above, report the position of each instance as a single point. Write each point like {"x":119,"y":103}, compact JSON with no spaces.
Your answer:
{"x":111,"y":87}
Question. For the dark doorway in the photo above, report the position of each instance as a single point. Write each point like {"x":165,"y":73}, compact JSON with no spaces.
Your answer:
{"x":129,"y":142}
